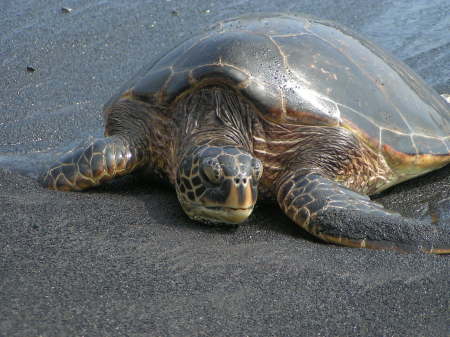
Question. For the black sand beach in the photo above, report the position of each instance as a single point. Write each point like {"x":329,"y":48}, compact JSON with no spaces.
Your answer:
{"x":123,"y":259}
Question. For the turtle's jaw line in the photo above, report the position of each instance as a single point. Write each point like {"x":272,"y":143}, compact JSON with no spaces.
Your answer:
{"x":217,"y":214}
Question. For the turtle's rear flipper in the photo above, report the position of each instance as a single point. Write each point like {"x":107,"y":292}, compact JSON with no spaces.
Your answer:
{"x":335,"y":214}
{"x":103,"y":159}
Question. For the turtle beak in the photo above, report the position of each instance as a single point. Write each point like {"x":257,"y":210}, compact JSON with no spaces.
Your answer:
{"x":241,"y":195}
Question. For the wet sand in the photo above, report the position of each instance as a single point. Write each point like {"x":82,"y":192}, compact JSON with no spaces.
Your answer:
{"x":123,"y":259}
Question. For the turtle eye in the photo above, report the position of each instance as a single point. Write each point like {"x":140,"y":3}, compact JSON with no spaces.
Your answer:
{"x":257,"y":169}
{"x":213,"y":170}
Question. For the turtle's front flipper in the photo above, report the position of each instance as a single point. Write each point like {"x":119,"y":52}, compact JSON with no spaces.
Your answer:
{"x":102,"y":160}
{"x":335,"y":214}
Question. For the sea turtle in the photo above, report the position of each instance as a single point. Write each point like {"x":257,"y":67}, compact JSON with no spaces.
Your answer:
{"x":301,"y":110}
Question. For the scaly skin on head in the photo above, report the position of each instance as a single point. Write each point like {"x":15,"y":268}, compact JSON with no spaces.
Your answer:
{"x":218,"y":183}
{"x":217,"y":176}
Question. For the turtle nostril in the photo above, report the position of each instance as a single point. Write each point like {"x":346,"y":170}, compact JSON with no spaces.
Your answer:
{"x":240,"y":180}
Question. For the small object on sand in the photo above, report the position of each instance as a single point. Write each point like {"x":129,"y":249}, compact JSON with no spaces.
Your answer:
{"x":66,"y":10}
{"x":30,"y":69}
{"x":174,"y":12}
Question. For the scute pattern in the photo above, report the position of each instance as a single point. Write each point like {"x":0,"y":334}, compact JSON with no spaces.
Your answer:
{"x":303,"y":71}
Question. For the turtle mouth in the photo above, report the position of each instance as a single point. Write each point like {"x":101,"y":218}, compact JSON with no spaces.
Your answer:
{"x":218,"y":214}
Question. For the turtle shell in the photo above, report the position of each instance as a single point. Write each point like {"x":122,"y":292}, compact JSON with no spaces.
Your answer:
{"x":303,"y":71}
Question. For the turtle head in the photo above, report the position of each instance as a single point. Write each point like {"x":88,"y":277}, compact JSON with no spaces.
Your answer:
{"x":218,"y":184}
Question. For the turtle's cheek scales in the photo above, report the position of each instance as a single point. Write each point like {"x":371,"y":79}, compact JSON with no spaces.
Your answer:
{"x":196,"y":181}
{"x":182,"y":188}
{"x":199,"y":191}
{"x":187,"y":184}
{"x":195,"y":169}
{"x":217,"y":195}
{"x":186,"y":167}
{"x":191,"y":196}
